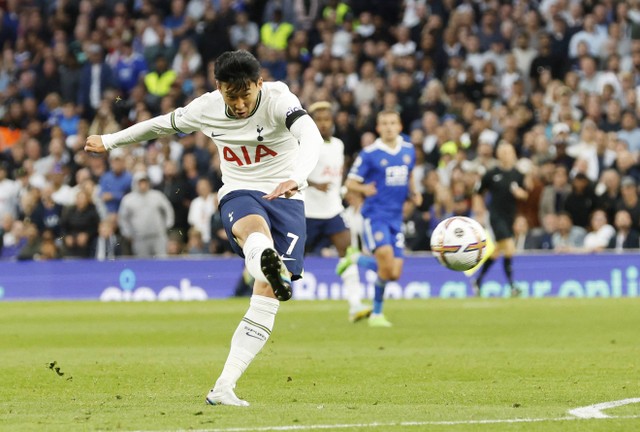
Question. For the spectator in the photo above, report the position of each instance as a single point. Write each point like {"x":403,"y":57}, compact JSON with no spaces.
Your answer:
{"x":9,"y":190}
{"x":158,"y":82}
{"x":79,"y":226}
{"x":130,"y":68}
{"x":608,"y":192}
{"x":107,"y":245}
{"x":175,"y":244}
{"x":180,"y":193}
{"x":215,"y":28}
{"x":202,"y":209}
{"x":96,"y":76}
{"x":580,"y":201}
{"x":195,"y":243}
{"x":244,"y":34}
{"x":629,"y":132}
{"x":48,"y":213}
{"x":62,"y":193}
{"x":188,"y":60}
{"x":545,"y":235}
{"x":104,"y":121}
{"x":525,"y":238}
{"x":31,"y":246}
{"x":626,"y":237}
{"x":629,"y":199}
{"x":13,"y":237}
{"x":115,"y":183}
{"x":144,"y":216}
{"x":567,"y":238}
{"x":276,"y":33}
{"x":600,"y":233}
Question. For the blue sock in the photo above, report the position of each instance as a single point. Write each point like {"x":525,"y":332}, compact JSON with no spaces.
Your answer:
{"x":378,"y":297}
{"x":368,"y":262}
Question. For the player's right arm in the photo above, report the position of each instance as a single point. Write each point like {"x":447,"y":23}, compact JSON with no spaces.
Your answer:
{"x":356,"y":179}
{"x":366,"y":189}
{"x":182,"y":120}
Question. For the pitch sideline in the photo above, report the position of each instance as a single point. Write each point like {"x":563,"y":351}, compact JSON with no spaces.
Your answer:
{"x":589,"y":412}
{"x":400,"y":424}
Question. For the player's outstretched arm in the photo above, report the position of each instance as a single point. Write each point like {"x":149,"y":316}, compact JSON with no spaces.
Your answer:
{"x":167,"y":124}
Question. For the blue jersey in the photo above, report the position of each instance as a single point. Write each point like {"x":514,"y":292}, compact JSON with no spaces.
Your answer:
{"x":390,"y":170}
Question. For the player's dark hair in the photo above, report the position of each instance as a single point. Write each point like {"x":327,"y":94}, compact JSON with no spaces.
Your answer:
{"x":238,"y":69}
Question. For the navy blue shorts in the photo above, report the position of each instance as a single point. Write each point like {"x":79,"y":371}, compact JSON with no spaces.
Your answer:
{"x":319,"y":231}
{"x":285,"y":218}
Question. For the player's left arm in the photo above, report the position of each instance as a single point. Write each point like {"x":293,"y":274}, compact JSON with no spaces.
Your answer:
{"x":304,"y":129}
{"x":518,"y":190}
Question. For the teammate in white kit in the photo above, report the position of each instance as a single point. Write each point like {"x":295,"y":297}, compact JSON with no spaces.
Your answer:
{"x":268,"y":146}
{"x":323,"y":206}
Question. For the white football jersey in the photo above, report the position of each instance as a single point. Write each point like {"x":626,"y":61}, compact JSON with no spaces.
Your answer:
{"x":256,"y":153}
{"x":325,"y":205}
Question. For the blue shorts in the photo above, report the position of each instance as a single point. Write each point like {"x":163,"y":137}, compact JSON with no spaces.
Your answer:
{"x":379,"y":232}
{"x":319,"y":231}
{"x":285,"y":218}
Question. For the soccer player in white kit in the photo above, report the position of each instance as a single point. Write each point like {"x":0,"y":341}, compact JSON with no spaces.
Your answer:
{"x":324,"y":209}
{"x":268,"y":146}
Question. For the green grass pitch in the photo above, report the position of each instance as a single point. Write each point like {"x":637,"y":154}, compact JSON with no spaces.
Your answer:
{"x":148,"y":366}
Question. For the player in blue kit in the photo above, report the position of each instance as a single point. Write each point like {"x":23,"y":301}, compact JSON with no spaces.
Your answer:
{"x":268,"y":146}
{"x":382,"y":173}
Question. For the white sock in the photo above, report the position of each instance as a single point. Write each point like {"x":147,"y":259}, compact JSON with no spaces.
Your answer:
{"x":352,"y":288}
{"x":253,"y":247}
{"x":250,"y":336}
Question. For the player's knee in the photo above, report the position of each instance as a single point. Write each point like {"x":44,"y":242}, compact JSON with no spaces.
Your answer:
{"x":387,"y":272}
{"x":263,"y":289}
{"x":249,"y":225}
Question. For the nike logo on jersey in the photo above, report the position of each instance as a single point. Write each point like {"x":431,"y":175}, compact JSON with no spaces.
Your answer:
{"x":213,"y":135}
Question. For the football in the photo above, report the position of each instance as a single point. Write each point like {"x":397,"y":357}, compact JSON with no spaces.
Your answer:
{"x":459,"y":243}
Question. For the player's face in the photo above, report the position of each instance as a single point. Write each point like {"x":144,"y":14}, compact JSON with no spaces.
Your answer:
{"x":388,"y":127}
{"x":241,"y":102}
{"x":506,"y":155}
{"x":324,"y":121}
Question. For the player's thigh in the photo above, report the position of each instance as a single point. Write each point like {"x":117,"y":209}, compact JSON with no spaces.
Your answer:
{"x":242,"y":212}
{"x":376,"y":234}
{"x":288,"y":228}
{"x":385,"y":260}
{"x":507,"y":247}
{"x":341,"y":240}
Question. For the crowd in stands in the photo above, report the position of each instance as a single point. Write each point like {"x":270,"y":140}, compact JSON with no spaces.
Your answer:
{"x":559,"y":79}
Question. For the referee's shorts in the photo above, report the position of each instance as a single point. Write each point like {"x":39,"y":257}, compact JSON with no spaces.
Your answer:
{"x":502,"y":228}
